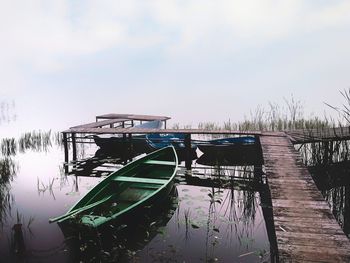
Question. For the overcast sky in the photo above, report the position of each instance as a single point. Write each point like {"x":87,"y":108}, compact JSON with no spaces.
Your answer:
{"x":194,"y":60}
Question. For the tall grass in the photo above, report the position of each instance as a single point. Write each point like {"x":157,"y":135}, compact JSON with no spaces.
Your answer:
{"x":273,"y":117}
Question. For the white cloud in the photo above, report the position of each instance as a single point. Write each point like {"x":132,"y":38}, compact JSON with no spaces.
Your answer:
{"x":48,"y":35}
{"x":44,"y":30}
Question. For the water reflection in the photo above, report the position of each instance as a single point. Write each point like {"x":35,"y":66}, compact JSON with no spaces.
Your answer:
{"x":8,"y":169}
{"x":324,"y":153}
{"x":216,"y":216}
{"x":119,"y":243}
{"x":35,"y":141}
{"x":328,"y":163}
{"x":38,"y":141}
{"x":334,"y":182}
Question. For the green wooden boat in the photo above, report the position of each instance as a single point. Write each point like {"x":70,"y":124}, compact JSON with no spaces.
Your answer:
{"x":125,"y":192}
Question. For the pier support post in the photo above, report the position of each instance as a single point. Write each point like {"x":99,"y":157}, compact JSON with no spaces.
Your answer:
{"x":188,"y":159}
{"x":66,"y":157}
{"x":130,"y":147}
{"x":65,"y":146}
{"x":266,"y":207}
{"x":74,"y":147}
{"x":258,"y":171}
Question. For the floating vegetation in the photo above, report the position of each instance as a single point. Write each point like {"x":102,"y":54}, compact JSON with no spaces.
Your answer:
{"x":35,"y":140}
{"x":42,"y":188}
{"x":8,"y":169}
{"x":8,"y":146}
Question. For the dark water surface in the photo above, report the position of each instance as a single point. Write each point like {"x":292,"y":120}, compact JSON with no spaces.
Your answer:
{"x":196,"y":224}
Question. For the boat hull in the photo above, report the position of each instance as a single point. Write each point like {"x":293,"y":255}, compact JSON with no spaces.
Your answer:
{"x":139,"y":184}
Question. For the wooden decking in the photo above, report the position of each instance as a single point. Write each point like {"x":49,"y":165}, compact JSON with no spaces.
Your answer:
{"x":319,"y":135}
{"x":306,"y":230}
{"x":137,"y":117}
{"x":90,"y":130}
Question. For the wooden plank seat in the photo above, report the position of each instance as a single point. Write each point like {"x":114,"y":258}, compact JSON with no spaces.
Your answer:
{"x":139,"y":180}
{"x":160,"y":162}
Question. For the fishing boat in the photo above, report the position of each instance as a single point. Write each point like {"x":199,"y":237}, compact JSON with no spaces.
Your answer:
{"x":117,"y":143}
{"x":124,"y":193}
{"x":227,"y":145}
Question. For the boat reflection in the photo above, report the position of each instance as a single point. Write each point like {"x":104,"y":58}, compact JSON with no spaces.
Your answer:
{"x":226,"y":158}
{"x":119,"y":243}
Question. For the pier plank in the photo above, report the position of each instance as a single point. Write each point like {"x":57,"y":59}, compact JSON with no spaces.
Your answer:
{"x":306,"y":230}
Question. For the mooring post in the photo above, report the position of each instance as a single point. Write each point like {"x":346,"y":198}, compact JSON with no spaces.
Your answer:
{"x":266,"y":207}
{"x":74,"y":147}
{"x":188,"y":159}
{"x":130,"y":147}
{"x":258,"y":171}
{"x":66,"y":157}
{"x":65,"y":146}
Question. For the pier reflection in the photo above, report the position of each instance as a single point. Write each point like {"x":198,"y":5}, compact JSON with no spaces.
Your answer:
{"x":121,"y":242}
{"x":334,"y":182}
{"x":329,"y":164}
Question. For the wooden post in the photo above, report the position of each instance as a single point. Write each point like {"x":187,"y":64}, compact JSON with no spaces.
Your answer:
{"x":266,"y":207}
{"x":66,"y":156}
{"x":74,"y":147}
{"x":130,"y":147}
{"x":164,"y":124}
{"x":346,"y":223}
{"x":65,"y":146}
{"x":188,"y":159}
{"x":258,"y":172}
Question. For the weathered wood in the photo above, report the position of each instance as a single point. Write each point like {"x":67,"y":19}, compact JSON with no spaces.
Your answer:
{"x":65,"y":146}
{"x":136,"y":117}
{"x":306,"y":230}
{"x":184,"y":131}
{"x":188,"y":160}
{"x":319,"y":135}
{"x":99,"y":124}
{"x":74,"y":147}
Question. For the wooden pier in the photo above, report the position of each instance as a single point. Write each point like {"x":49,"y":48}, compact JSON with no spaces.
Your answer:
{"x":304,"y":227}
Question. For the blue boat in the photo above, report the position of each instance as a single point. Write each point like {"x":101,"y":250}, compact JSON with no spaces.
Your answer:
{"x":157,"y":141}
{"x":227,"y":145}
{"x":118,"y":143}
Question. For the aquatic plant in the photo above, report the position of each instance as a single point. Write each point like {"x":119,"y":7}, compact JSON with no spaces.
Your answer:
{"x":345,"y":110}
{"x":8,"y":146}
{"x":35,"y":140}
{"x":274,"y":117}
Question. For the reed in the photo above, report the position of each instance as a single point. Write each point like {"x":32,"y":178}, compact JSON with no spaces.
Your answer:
{"x":273,"y":117}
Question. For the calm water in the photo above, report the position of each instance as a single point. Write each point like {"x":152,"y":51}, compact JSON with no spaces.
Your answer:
{"x":197,"y":224}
